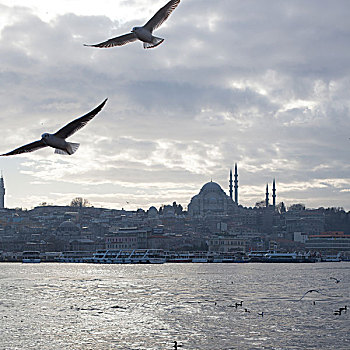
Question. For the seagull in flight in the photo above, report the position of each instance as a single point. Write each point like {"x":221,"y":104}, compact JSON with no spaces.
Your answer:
{"x":317,"y":291}
{"x":143,"y":33}
{"x":310,"y":291}
{"x":58,"y":139}
{"x":335,"y":279}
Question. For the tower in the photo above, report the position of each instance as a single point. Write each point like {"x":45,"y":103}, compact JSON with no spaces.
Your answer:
{"x":267,"y":196}
{"x":274,"y":194}
{"x":236,"y":184}
{"x":230,"y":183}
{"x":2,"y":193}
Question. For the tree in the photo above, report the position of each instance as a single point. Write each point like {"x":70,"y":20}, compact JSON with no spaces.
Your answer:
{"x":79,"y":202}
{"x":261,"y":204}
{"x":177,"y":208}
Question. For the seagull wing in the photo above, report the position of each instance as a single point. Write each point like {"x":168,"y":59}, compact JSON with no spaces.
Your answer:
{"x":117,"y":41}
{"x":309,"y":291}
{"x":78,"y":123}
{"x":27,"y":148}
{"x":161,"y":15}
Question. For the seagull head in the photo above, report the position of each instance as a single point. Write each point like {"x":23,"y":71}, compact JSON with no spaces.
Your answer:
{"x":133,"y":30}
{"x":45,"y":136}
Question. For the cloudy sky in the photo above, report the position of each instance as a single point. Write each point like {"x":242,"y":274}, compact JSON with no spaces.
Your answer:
{"x":264,"y":83}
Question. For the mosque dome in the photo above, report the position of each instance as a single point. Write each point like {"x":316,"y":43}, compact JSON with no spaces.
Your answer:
{"x":211,"y":187}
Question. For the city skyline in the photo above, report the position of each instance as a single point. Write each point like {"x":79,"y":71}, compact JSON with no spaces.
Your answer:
{"x":266,"y":87}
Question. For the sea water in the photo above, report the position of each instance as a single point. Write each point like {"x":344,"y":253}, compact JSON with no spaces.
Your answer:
{"x":91,"y":306}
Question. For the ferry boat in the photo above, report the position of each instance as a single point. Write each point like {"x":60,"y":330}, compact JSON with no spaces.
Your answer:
{"x":286,"y":257}
{"x":276,"y":257}
{"x":178,"y":257}
{"x":129,"y":256}
{"x":204,"y":257}
{"x":31,"y":257}
{"x":331,"y":258}
{"x":201,"y":257}
{"x":75,"y":256}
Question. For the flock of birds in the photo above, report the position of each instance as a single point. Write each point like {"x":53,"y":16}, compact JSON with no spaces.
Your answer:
{"x":239,"y":304}
{"x":58,"y":139}
{"x":323,"y":292}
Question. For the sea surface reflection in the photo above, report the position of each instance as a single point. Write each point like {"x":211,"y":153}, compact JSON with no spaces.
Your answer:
{"x":87,"y":306}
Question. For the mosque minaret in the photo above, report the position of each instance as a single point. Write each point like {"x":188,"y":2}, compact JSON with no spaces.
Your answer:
{"x":236,"y":184}
{"x":2,"y":193}
{"x":267,"y":196}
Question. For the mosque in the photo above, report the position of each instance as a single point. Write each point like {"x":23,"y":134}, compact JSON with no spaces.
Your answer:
{"x":212,"y":200}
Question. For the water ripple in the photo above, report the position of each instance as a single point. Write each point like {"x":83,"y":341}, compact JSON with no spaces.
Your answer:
{"x":83,"y":306}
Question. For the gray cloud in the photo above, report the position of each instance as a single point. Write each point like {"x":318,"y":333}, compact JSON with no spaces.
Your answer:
{"x":261,"y":83}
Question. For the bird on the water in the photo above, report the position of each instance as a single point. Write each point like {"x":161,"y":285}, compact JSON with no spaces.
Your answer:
{"x":176,"y":345}
{"x":58,"y":139}
{"x":143,"y":33}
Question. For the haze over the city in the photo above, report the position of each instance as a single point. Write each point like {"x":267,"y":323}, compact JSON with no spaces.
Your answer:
{"x":265,"y":84}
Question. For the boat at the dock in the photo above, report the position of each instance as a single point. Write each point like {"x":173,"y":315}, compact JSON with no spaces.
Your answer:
{"x":277,"y":257}
{"x":31,"y":257}
{"x":129,"y":256}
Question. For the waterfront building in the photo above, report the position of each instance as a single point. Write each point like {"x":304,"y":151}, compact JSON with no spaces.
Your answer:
{"x":226,"y":243}
{"x":329,"y":242}
{"x":305,"y":221}
{"x":127,"y":238}
{"x":300,"y":237}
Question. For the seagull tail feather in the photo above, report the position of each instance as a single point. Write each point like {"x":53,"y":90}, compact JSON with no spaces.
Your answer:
{"x":155,"y":42}
{"x":72,"y":147}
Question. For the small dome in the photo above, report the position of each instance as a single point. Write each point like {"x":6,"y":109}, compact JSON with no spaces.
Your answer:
{"x":152,"y":211}
{"x":68,"y":226}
